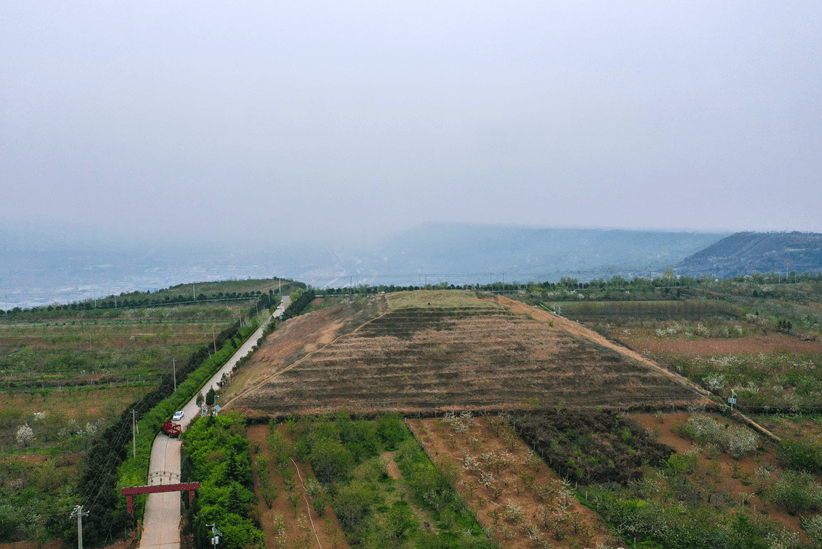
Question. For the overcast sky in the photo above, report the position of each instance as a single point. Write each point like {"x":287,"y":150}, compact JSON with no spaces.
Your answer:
{"x":340,"y":119}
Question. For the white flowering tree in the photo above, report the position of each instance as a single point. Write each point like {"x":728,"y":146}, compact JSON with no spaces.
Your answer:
{"x":25,"y":436}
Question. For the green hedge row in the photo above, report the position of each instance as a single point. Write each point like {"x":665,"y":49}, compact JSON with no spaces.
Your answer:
{"x":217,"y":455}
{"x":134,"y":470}
{"x":298,"y":305}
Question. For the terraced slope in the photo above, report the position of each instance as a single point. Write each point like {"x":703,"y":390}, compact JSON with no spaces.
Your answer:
{"x":439,"y":352}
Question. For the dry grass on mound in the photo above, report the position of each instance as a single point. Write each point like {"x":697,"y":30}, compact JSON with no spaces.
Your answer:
{"x":444,"y":350}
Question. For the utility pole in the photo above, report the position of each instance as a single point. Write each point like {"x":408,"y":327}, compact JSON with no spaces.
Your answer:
{"x":214,"y":339}
{"x":79,"y":514}
{"x":133,"y":433}
{"x":174,"y":366}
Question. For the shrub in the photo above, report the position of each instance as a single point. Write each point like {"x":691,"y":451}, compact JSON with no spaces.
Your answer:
{"x":734,"y":440}
{"x":797,"y":491}
{"x":801,"y":455}
{"x":694,"y":529}
{"x":592,"y":446}
{"x":351,"y":503}
{"x":682,"y":463}
{"x":813,"y":526}
{"x":331,"y":461}
{"x":217,"y":455}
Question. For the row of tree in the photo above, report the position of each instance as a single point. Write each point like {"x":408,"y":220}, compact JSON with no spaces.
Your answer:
{"x":216,"y":454}
{"x":147,"y":299}
{"x":298,"y":305}
{"x":98,"y":485}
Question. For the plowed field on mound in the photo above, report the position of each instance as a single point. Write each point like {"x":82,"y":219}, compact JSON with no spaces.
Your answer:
{"x":431,"y":356}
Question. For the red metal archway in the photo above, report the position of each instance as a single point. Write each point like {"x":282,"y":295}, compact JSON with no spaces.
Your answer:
{"x":157,"y":488}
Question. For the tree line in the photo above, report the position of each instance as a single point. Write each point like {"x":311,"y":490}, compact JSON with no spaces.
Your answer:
{"x":107,"y":520}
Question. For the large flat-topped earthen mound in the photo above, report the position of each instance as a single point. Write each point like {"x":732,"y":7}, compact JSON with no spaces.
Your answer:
{"x":434,"y":350}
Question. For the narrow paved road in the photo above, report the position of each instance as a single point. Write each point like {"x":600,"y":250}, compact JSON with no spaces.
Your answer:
{"x":161,"y":527}
{"x":163,"y":510}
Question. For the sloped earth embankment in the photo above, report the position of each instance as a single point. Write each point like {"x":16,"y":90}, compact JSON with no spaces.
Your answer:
{"x":424,"y":359}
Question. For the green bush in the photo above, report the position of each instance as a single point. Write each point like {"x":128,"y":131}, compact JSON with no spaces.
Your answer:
{"x":345,"y":455}
{"x":217,"y":455}
{"x":352,"y":502}
{"x":801,"y":455}
{"x":813,"y":526}
{"x":734,"y":440}
{"x":797,"y":491}
{"x":332,"y":462}
{"x":685,"y":527}
{"x":682,"y":463}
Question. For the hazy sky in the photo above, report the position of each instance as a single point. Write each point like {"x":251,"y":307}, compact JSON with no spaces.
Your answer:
{"x":341,"y":119}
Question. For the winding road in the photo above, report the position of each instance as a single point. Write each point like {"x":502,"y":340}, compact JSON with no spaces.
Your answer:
{"x":161,"y":527}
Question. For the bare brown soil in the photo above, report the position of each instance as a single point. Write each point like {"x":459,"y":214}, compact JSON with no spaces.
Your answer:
{"x":364,"y":357}
{"x":53,"y":544}
{"x":312,"y":525}
{"x":441,"y":443}
{"x":761,"y":343}
{"x":578,"y":329}
{"x":391,"y":466}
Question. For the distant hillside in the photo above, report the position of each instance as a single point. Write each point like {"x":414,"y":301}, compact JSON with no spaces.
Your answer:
{"x":467,"y":254}
{"x":41,"y":270}
{"x":744,"y":253}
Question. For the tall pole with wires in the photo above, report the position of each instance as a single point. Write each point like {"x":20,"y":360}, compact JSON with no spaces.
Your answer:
{"x":133,"y":433}
{"x":79,"y":514}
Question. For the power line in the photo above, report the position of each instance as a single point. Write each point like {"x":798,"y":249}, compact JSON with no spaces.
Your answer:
{"x":79,"y":514}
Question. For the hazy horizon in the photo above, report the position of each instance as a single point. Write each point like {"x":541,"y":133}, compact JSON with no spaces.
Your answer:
{"x":282,"y":122}
{"x":42,"y":272}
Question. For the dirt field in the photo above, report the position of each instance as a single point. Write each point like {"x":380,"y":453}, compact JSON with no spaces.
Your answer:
{"x":761,"y":343}
{"x":523,"y":522}
{"x":444,"y":351}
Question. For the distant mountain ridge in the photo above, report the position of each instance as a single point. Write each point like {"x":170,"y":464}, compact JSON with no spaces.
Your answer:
{"x":748,"y":252}
{"x":468,"y":254}
{"x":427,"y":254}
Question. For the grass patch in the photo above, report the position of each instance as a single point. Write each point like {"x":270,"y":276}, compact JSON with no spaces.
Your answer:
{"x":438,"y":299}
